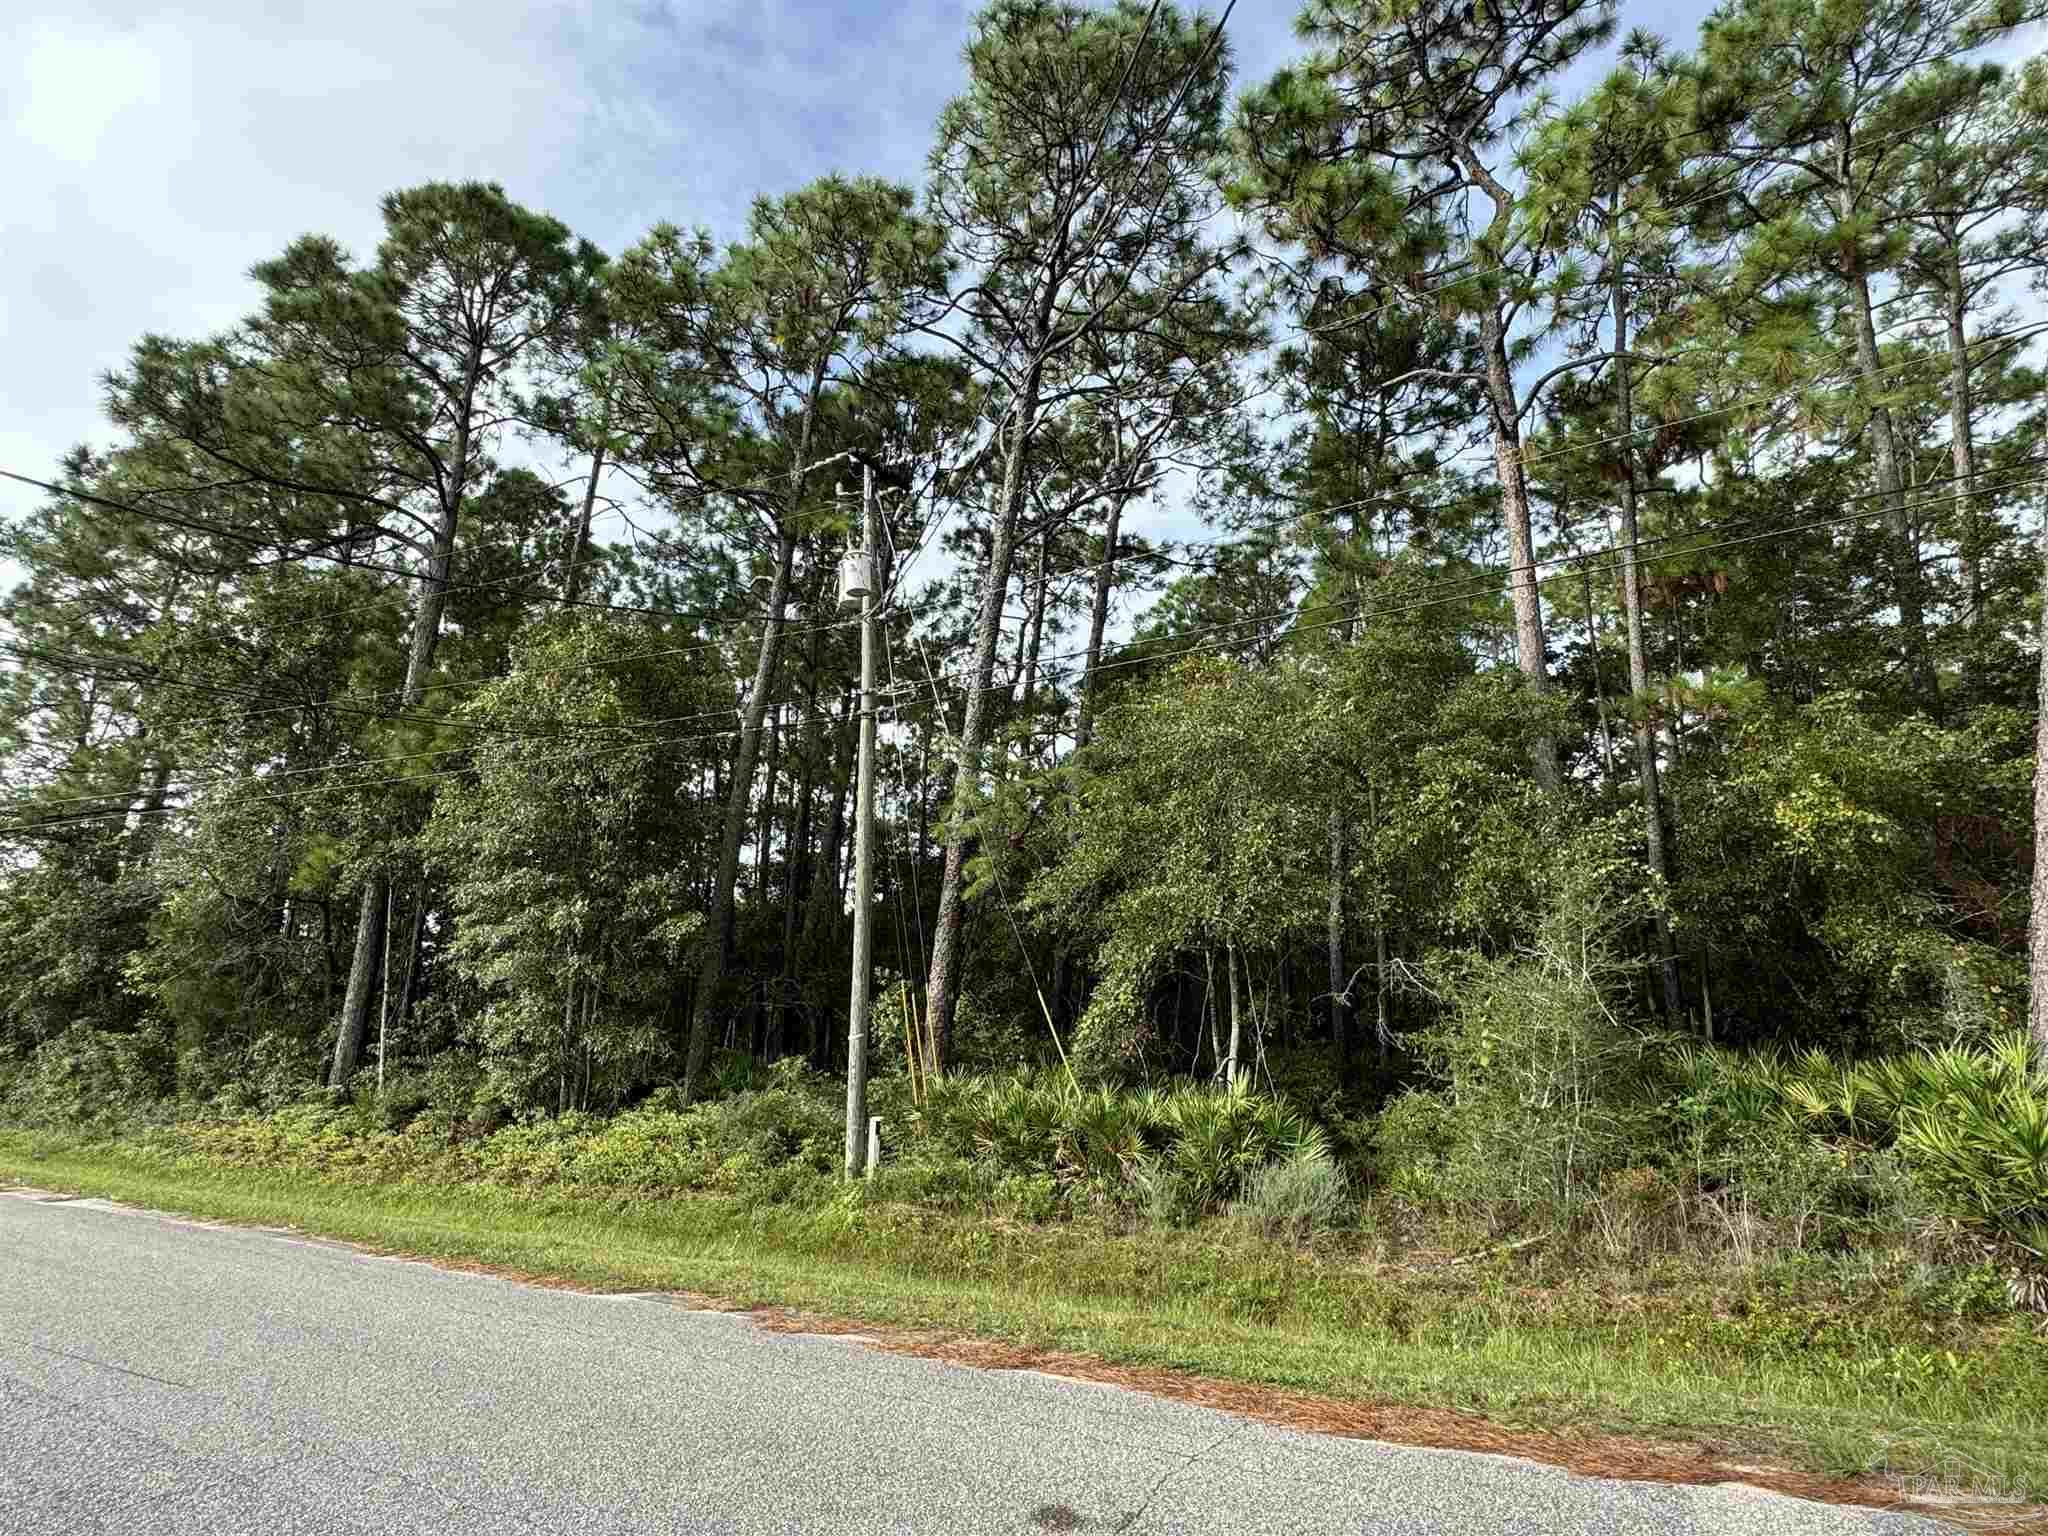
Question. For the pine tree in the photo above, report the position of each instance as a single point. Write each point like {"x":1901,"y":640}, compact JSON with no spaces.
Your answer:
{"x":366,"y":400}
{"x":1072,"y":176}
{"x":1371,"y":155}
{"x":719,"y":401}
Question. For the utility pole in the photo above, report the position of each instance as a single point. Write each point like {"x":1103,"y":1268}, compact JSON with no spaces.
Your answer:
{"x":860,"y":575}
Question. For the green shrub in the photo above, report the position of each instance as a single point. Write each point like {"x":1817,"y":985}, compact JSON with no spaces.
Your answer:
{"x":1027,"y":1196}
{"x":1969,"y":1126}
{"x":1105,"y":1145}
{"x":998,"y":1030}
{"x":1162,"y":1194}
{"x":1295,"y":1200}
{"x":1536,"y":1068}
{"x":928,"y":1174}
{"x":1312,"y":1079}
{"x":89,"y":1080}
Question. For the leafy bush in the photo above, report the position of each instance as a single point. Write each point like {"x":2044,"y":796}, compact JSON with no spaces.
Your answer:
{"x":271,"y":1071}
{"x":87,"y":1079}
{"x":1221,"y":1137}
{"x":996,"y":1032}
{"x":1537,"y":1067}
{"x":730,"y":1145}
{"x":1198,"y":1144}
{"x":446,"y":1092}
{"x":1885,"y":1145}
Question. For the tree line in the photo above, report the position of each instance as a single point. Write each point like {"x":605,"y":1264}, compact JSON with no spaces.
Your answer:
{"x":1630,"y":499}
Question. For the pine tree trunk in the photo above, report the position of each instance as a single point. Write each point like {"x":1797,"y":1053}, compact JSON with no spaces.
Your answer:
{"x":1098,"y":621}
{"x":1638,"y":653}
{"x":412,"y":959}
{"x":148,"y":819}
{"x":712,"y":951}
{"x":1963,"y":448}
{"x":364,"y":979}
{"x":796,"y":862}
{"x":1599,"y":681}
{"x":2037,"y":919}
{"x":764,"y":840}
{"x":943,"y":981}
{"x":1907,"y":588}
{"x":1514,"y":499}
{"x":1038,"y":587}
{"x":419,"y":663}
{"x":579,"y":545}
{"x":1084,"y":723}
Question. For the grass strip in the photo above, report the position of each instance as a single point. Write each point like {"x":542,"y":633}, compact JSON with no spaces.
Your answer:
{"x":1574,"y":1364}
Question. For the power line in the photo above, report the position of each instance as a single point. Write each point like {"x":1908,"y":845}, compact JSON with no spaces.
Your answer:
{"x":353,"y":785}
{"x":790,"y":630}
{"x":1343,"y":611}
{"x":340,"y":707}
{"x":1484,"y":584}
{"x":1468,"y":588}
{"x":693,"y":647}
{"x":234,"y":537}
{"x":60,"y":659}
{"x":1569,"y":449}
{"x":503,"y":738}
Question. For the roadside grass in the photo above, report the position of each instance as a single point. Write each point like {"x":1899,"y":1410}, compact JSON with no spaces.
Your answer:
{"x":1789,"y":1361}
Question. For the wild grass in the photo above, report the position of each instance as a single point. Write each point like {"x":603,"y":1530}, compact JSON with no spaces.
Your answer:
{"x":1800,"y":1362}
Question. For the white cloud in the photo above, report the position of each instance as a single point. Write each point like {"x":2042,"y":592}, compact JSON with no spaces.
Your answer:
{"x":155,"y":151}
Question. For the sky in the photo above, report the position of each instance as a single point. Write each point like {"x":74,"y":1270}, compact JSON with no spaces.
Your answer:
{"x":156,"y":149}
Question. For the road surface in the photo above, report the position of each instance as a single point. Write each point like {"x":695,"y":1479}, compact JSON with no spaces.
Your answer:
{"x":159,"y":1376}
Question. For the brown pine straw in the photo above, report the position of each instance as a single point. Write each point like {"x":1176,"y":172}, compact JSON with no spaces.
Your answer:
{"x":1588,"y":1453}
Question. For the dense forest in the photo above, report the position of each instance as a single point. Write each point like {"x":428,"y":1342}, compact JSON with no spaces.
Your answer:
{"x":1612,"y":665}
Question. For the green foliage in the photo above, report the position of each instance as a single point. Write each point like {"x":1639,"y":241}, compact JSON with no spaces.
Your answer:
{"x":1181,"y":820}
{"x":1867,"y":858}
{"x":234,"y":702}
{"x":86,"y":1078}
{"x":561,"y":869}
{"x":1535,"y":1066}
{"x":1880,"y":1143}
{"x":1182,"y":1154}
{"x":1972,"y":1124}
{"x":1295,"y":1200}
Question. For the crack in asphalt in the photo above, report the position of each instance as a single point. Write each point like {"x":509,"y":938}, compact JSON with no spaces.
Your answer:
{"x":1132,"y":1517}
{"x":105,"y":1365}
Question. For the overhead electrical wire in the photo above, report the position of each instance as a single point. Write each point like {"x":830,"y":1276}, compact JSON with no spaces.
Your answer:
{"x":351,"y":785}
{"x":1463,"y":590}
{"x":1042,"y":665}
{"x":1486,"y":584}
{"x":2016,"y":334}
{"x":1344,"y":611}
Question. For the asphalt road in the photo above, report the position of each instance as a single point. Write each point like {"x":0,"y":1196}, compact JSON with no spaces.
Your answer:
{"x":160,"y":1376}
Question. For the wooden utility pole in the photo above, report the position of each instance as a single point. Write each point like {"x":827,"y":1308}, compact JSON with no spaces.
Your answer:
{"x":2037,"y":921}
{"x":864,"y":831}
